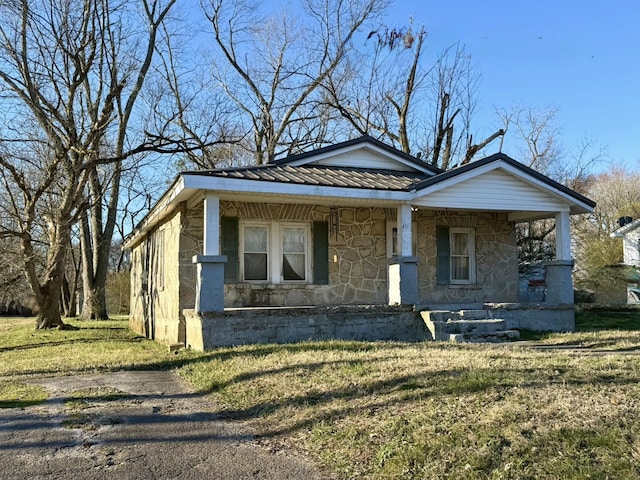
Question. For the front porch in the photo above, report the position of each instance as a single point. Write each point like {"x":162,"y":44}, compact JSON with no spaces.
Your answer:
{"x":406,"y":323}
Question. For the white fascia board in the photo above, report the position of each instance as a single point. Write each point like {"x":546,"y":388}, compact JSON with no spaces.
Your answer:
{"x":507,"y":168}
{"x":227,"y":185}
{"x":351,"y":148}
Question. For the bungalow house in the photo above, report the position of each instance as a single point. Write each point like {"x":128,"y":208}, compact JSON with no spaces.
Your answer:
{"x":356,"y":240}
{"x":629,"y":231}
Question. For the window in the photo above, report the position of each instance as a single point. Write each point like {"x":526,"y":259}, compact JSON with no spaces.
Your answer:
{"x":462,"y":250}
{"x":294,"y":253}
{"x":255,"y":252}
{"x":275,"y":252}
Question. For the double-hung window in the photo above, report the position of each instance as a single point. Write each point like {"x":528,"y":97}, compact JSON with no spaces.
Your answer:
{"x":462,"y":253}
{"x":275,"y":252}
{"x":294,"y":253}
{"x":255,"y":240}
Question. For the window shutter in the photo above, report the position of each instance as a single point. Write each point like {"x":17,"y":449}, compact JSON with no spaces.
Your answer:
{"x":320,"y":253}
{"x":230,"y":244}
{"x":443,"y":248}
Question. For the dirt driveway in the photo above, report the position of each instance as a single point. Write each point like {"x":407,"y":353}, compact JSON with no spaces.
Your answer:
{"x":135,"y":425}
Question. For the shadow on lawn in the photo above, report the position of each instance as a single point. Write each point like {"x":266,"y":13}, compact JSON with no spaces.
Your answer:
{"x":369,"y":397}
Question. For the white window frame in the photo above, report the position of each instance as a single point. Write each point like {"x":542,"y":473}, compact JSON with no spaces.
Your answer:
{"x":391,"y":226}
{"x":275,"y":251}
{"x":244,"y":225}
{"x":279,"y":227}
{"x":471,"y":236}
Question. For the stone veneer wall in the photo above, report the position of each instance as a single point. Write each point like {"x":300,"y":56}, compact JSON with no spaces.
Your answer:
{"x":191,"y":244}
{"x":495,"y":254}
{"x":137,"y":306}
{"x":357,"y":258}
{"x":155,"y":279}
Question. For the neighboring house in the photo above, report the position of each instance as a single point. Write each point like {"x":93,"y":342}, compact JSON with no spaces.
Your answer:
{"x":345,"y":229}
{"x":629,"y":231}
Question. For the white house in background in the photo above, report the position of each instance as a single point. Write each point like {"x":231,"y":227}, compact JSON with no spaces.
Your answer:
{"x":345,"y":231}
{"x":629,"y":231}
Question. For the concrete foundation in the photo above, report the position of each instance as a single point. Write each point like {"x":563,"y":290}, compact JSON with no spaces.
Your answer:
{"x":208,"y":330}
{"x":288,"y":325}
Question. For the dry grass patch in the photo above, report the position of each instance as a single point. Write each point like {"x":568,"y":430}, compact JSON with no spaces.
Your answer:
{"x":435,"y":410}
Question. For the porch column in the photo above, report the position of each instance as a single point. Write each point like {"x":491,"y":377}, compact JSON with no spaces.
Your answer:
{"x":558,"y":272}
{"x":402,"y":274}
{"x":563,"y":236}
{"x":210,"y":265}
{"x":405,"y":230}
{"x":211,"y":224}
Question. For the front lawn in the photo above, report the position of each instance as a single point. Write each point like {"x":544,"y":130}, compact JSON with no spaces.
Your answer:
{"x":393,"y":410}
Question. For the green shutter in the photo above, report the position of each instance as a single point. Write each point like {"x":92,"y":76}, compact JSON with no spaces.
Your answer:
{"x":442,"y":245}
{"x":320,"y":253}
{"x":230,"y":244}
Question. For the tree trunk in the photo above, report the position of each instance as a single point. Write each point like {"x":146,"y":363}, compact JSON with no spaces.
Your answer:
{"x":49,"y":307}
{"x":94,"y":267}
{"x":94,"y":305}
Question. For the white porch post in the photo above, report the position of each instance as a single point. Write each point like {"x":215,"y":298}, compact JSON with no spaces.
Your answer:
{"x":211,"y":224}
{"x":558,"y":272}
{"x":563,"y":236}
{"x":210,"y":265}
{"x":405,"y":230}
{"x":402,"y":274}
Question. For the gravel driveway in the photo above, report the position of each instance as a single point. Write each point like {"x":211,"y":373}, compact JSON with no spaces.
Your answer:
{"x":137,"y":425}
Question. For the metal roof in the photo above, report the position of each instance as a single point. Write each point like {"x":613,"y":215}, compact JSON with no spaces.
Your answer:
{"x":364,"y":141}
{"x":327,"y":176}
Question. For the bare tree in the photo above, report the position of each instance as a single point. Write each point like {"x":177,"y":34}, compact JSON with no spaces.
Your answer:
{"x":617,"y":195}
{"x":374,"y":90}
{"x":535,"y":136}
{"x":73,"y":71}
{"x":274,"y":66}
{"x":393,"y":91}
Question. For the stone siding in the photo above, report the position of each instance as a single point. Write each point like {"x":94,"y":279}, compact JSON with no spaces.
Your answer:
{"x":496,"y":258}
{"x":155,"y":279}
{"x":163,"y":275}
{"x":191,"y":244}
{"x":357,"y":258}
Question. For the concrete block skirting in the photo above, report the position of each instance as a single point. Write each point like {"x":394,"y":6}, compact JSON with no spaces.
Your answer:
{"x":296,"y":324}
{"x":542,"y":317}
{"x":208,"y":330}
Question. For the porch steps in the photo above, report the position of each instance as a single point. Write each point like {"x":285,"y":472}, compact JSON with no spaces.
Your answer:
{"x":467,"y":326}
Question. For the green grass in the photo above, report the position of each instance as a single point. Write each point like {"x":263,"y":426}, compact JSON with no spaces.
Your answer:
{"x":395,"y":410}
{"x":608,"y":319}
{"x":95,"y":346}
{"x":436,"y":410}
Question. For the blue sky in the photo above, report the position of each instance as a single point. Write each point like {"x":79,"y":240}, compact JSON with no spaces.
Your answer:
{"x":579,"y":57}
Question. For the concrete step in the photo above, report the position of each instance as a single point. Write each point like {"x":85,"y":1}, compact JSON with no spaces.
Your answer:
{"x":467,"y":326}
{"x":445,"y":315}
{"x":493,"y":337}
{"x":473,"y":326}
